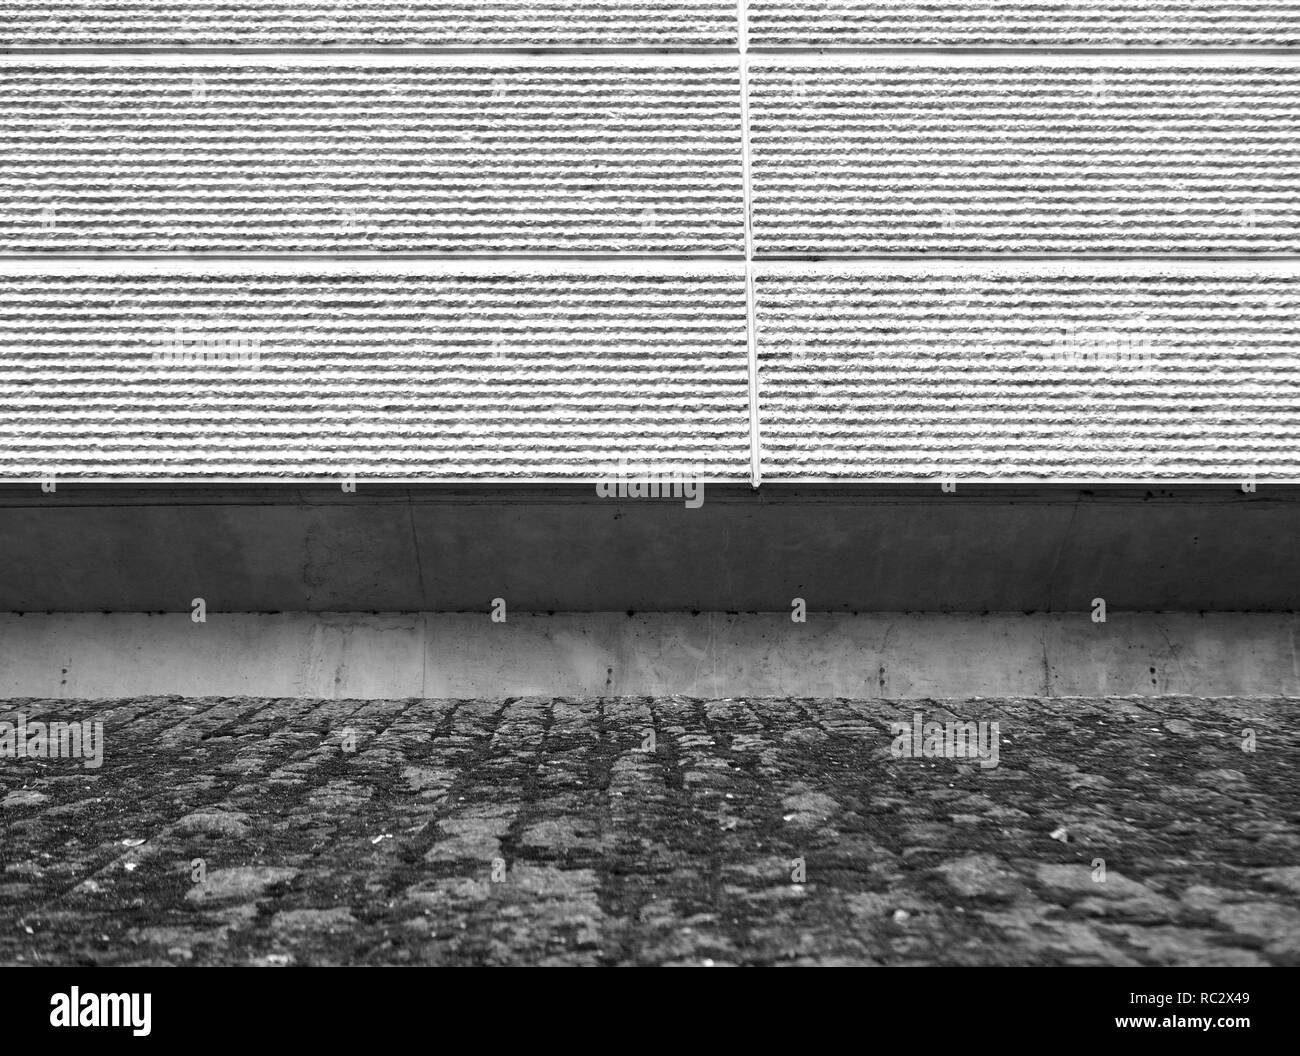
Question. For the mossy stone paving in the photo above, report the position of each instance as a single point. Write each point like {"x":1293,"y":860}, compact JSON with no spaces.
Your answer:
{"x":654,"y":831}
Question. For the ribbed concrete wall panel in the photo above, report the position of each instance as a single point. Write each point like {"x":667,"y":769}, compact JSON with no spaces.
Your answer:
{"x":1029,"y":374}
{"x":360,"y":23}
{"x":365,"y":158}
{"x":1025,"y":23}
{"x":1026,"y":158}
{"x":533,"y":376}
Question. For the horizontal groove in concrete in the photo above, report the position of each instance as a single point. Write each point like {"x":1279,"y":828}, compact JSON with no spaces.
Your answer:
{"x":126,"y":262}
{"x":990,"y":57}
{"x":641,"y":264}
{"x":726,"y":57}
{"x":1082,"y":264}
{"x":380,"y":262}
{"x":1081,"y":256}
{"x":719,"y":56}
{"x":1025,"y":50}
{"x":667,"y":51}
{"x":521,"y":51}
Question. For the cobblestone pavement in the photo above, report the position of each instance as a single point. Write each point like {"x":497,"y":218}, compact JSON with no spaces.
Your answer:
{"x":556,"y":832}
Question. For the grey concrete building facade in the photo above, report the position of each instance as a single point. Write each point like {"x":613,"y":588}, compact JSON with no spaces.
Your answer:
{"x":548,"y":454}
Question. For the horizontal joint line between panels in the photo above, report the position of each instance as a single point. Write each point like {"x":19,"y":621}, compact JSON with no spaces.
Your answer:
{"x":722,"y":50}
{"x":731,"y":266}
{"x":720,"y":57}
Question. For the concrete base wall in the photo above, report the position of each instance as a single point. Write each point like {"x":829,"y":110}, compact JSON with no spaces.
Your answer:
{"x":613,"y":654}
{"x":554,"y":549}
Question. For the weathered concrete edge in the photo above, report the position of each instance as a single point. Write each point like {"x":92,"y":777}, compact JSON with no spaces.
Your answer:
{"x":456,"y":655}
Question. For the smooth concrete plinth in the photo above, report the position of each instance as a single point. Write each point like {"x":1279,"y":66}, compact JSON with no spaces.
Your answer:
{"x":613,"y":654}
{"x":287,"y":548}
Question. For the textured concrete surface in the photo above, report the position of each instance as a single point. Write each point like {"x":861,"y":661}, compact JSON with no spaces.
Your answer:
{"x":633,"y":23}
{"x":355,"y":655}
{"x":273,"y":155}
{"x":379,"y":370}
{"x":1181,"y":155}
{"x":376,"y":23}
{"x":1062,"y":371}
{"x":487,"y":370}
{"x":1023,"y":23}
{"x":88,"y":548}
{"x":1025,"y":154}
{"x":674,"y":831}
